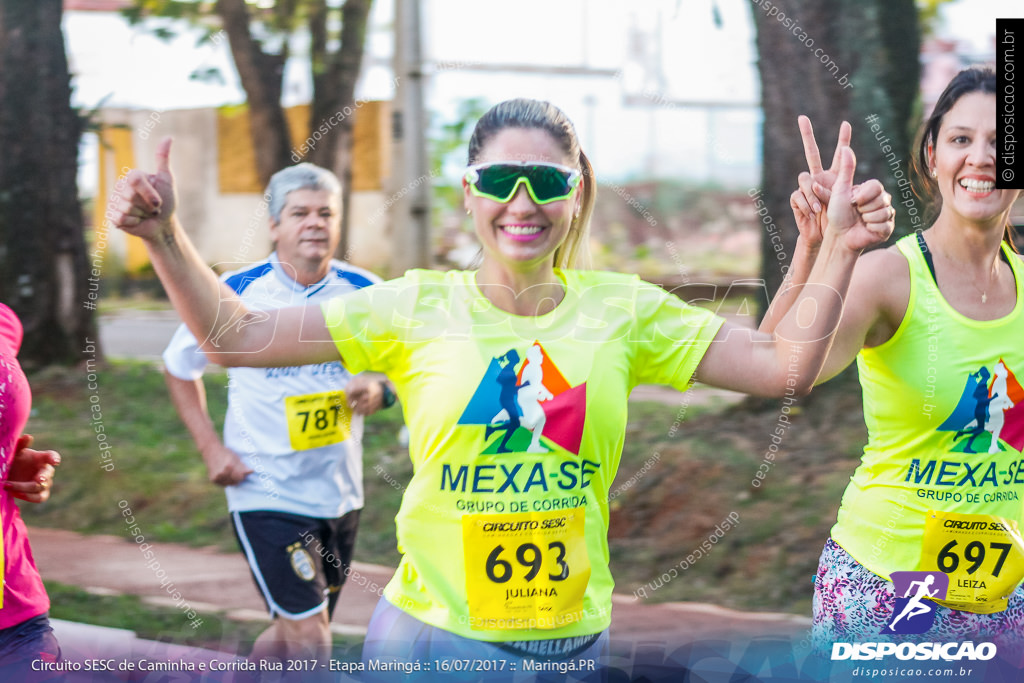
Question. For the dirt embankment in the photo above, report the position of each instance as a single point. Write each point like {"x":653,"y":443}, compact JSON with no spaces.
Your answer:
{"x":733,"y":507}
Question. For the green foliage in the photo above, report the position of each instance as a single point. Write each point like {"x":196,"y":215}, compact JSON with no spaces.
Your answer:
{"x":447,"y":150}
{"x":91,"y":119}
{"x":272,"y":22}
{"x":208,"y":75}
{"x":928,"y":14}
{"x":453,"y":136}
{"x":192,"y":12}
{"x":156,"y":467}
{"x":173,"y":9}
{"x":196,"y":14}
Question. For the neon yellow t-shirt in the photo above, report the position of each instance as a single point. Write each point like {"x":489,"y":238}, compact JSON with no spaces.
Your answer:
{"x":944,"y":408}
{"x":516,"y":429}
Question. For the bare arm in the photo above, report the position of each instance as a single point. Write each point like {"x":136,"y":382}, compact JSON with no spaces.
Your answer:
{"x":228,"y":332}
{"x":810,"y":220}
{"x":875,"y":306}
{"x":789,"y":359}
{"x":223,"y":466}
{"x":879,"y":288}
{"x":799,"y":272}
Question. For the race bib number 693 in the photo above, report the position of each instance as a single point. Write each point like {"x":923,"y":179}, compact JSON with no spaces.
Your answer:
{"x":525,"y":570}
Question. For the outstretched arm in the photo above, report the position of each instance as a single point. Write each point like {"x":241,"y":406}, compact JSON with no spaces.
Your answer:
{"x":875,"y":301}
{"x":789,"y":359}
{"x":228,"y":332}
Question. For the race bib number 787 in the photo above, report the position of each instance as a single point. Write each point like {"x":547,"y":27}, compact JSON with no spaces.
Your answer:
{"x":316,"y":420}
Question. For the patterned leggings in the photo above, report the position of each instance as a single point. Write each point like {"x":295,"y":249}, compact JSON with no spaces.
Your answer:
{"x":853,"y":604}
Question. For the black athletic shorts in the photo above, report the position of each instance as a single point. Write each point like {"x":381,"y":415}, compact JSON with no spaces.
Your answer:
{"x":299,"y":563}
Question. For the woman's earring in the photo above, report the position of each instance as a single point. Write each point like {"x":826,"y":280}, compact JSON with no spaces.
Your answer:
{"x":935,"y":174}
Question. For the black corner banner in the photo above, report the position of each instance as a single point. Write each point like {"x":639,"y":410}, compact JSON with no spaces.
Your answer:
{"x":1009,"y":134}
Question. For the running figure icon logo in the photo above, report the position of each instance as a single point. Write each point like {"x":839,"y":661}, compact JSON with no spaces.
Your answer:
{"x":990,"y":412}
{"x":913,"y":612}
{"x":525,"y":401}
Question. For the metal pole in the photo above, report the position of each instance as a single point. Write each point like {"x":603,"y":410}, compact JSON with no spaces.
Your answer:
{"x":411,"y":179}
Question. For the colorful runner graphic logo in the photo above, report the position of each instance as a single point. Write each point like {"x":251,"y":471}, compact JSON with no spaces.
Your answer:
{"x":532,"y":407}
{"x":914,"y":612}
{"x":991,"y":408}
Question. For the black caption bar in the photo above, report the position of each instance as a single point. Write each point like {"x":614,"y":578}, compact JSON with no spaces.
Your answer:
{"x":1009,"y":135}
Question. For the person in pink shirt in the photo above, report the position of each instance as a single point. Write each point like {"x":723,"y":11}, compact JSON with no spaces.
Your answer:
{"x":25,"y":632}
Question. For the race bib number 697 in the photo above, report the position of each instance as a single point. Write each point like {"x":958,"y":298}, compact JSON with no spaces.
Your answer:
{"x":982,"y":554}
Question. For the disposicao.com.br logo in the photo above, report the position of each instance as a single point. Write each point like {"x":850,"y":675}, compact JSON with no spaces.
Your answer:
{"x":949,"y":652}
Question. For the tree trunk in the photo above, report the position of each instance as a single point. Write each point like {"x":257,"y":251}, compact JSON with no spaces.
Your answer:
{"x":261,"y":75}
{"x":44,"y":271}
{"x":335,"y":66}
{"x":334,"y":85}
{"x":834,"y":61}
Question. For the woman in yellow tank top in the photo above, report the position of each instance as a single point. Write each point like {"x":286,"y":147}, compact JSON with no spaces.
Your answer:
{"x":927,"y":545}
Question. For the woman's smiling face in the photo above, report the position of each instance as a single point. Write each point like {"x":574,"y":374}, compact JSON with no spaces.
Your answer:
{"x":964,"y":160}
{"x":521,"y":234}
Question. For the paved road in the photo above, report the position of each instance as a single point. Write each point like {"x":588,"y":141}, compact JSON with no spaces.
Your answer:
{"x":219,"y":582}
{"x":137,"y":334}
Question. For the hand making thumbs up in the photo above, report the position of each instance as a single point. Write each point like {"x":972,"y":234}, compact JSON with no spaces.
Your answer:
{"x":142,"y":204}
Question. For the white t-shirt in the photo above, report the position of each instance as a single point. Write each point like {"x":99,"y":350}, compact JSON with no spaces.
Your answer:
{"x":287,"y":424}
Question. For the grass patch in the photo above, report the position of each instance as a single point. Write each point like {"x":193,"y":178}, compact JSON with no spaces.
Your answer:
{"x":113,"y":305}
{"x":166,"y":624}
{"x":152,"y":463}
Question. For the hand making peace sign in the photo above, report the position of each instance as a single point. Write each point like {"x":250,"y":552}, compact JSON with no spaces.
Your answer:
{"x":863,"y":213}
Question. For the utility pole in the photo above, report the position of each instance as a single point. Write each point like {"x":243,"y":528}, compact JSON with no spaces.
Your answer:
{"x":411,"y":179}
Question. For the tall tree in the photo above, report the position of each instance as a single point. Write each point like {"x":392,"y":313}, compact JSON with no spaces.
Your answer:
{"x":43,"y":264}
{"x":834,"y":61}
{"x":261,"y":72}
{"x":260,"y":35}
{"x":335,"y":72}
